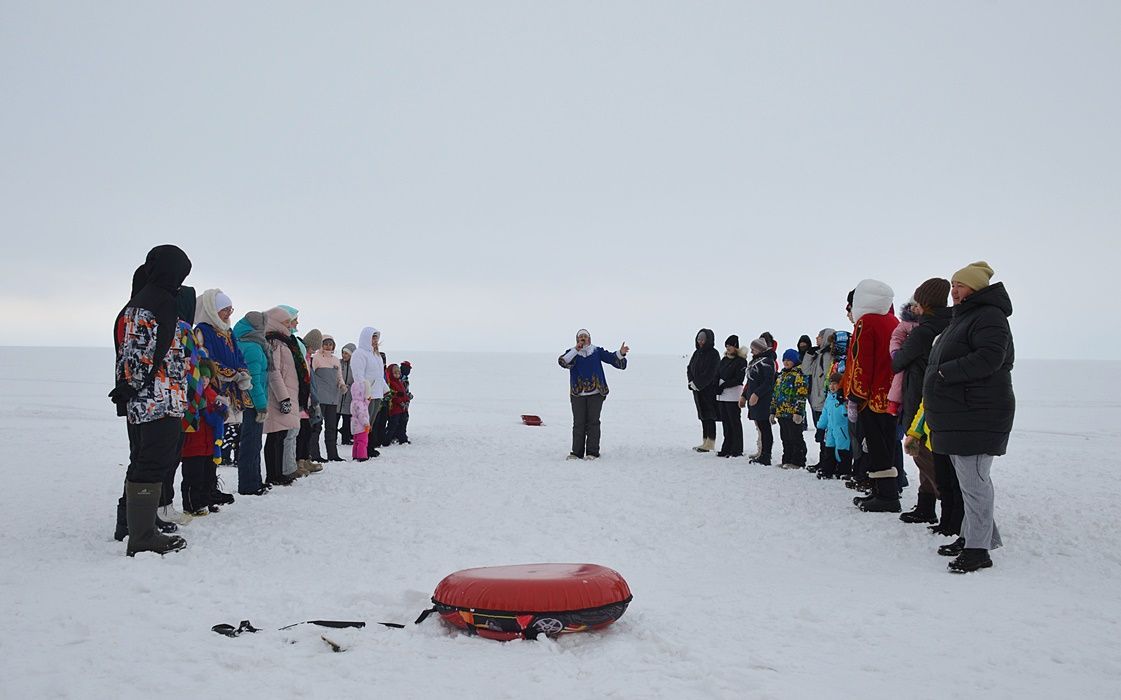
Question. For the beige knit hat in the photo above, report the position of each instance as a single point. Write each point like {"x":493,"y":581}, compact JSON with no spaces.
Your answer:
{"x":974,"y":275}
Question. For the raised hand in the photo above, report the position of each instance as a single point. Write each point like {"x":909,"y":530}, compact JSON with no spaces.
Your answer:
{"x":624,"y":349}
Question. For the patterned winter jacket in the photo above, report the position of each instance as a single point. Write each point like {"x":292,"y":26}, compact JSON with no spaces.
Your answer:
{"x":790,"y":395}
{"x":161,"y":383}
{"x":585,"y":369}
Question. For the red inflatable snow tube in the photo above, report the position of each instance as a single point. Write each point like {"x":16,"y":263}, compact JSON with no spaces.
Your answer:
{"x":529,"y":600}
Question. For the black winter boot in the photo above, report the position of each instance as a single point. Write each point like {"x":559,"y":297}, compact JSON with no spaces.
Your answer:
{"x":923,"y":512}
{"x":970,"y":560}
{"x":885,"y":497}
{"x":953,"y":549}
{"x":142,"y":500}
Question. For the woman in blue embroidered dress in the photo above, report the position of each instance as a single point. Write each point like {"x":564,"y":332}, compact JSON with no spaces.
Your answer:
{"x":588,"y":389}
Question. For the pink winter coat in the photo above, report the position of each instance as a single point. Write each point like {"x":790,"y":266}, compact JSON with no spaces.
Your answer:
{"x":895,"y":393}
{"x":359,"y":408}
{"x":284,"y":383}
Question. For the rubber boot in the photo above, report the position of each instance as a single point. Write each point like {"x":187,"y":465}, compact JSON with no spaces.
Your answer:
{"x":122,"y":522}
{"x":142,"y":500}
{"x":923,"y":512}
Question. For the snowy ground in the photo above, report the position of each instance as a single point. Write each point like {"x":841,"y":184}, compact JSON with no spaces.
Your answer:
{"x":748,"y":581}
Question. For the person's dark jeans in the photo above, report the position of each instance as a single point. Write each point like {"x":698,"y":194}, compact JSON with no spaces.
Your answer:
{"x":316,"y":420}
{"x":343,"y":419}
{"x":249,"y":453}
{"x":331,"y":430}
{"x":303,"y":440}
{"x":586,"y":412}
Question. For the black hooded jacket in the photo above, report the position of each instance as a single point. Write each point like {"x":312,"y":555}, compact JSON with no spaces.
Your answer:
{"x":912,"y":356}
{"x":704,"y":363}
{"x":164,"y":271}
{"x":967,"y":393}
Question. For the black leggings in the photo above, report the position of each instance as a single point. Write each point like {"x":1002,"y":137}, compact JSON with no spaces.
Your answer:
{"x":274,"y":454}
{"x":730,"y":420}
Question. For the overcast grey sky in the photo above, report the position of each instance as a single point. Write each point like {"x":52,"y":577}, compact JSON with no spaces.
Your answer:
{"x":495,"y":175}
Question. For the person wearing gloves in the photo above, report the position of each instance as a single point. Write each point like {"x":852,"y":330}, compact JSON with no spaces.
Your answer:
{"x":701,"y":375}
{"x":254,"y":347}
{"x":788,"y":409}
{"x":398,"y":405}
{"x":150,"y":392}
{"x":867,"y":382}
{"x":213,"y":335}
{"x":345,"y":399}
{"x":327,"y":386}
{"x":817,"y":362}
{"x":757,"y":392}
{"x":287,"y":387}
{"x":368,"y":368}
{"x":588,"y":390}
{"x":215,"y":339}
{"x":730,"y":376}
{"x":970,"y":405}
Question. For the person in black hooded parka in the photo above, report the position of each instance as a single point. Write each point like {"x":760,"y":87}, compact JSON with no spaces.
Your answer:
{"x":970,"y":405}
{"x":703,"y":381}
{"x":151,"y":391}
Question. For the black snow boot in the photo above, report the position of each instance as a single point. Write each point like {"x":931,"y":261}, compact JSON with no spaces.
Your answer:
{"x":885,"y":497}
{"x":142,"y":500}
{"x":953,"y":549}
{"x":970,"y":560}
{"x":923,"y":512}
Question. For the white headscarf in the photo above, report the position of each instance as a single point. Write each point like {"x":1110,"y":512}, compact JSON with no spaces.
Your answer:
{"x":209,"y":304}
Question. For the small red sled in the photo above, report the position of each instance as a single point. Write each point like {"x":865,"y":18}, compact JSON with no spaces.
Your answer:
{"x":532,"y":420}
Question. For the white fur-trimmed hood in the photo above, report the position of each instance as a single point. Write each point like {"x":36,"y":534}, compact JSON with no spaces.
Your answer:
{"x":871,"y":297}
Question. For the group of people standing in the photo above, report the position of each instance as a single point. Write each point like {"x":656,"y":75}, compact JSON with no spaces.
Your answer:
{"x":933,"y":381}
{"x":196,"y":390}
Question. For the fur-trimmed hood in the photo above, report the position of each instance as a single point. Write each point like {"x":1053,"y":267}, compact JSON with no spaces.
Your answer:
{"x":871,"y":297}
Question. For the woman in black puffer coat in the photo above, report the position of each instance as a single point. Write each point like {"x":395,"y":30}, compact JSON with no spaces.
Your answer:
{"x":970,"y":404}
{"x":701,"y":374}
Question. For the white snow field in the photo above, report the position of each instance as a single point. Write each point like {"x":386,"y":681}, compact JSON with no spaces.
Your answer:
{"x":749,"y":582}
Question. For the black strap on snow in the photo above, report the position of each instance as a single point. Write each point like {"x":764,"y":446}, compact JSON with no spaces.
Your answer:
{"x":424,"y":615}
{"x":334,"y":624}
{"x":231,"y":631}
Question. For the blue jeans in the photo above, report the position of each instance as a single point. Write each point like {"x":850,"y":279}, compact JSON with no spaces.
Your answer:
{"x":249,"y":453}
